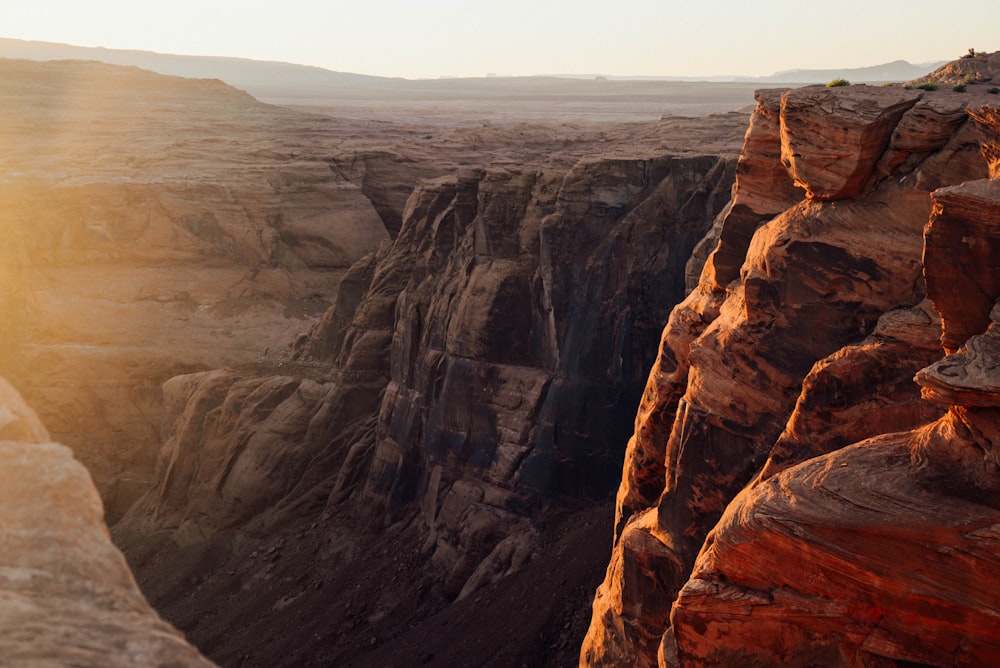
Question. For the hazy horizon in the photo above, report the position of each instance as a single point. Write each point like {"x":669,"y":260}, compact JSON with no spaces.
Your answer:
{"x":443,"y":38}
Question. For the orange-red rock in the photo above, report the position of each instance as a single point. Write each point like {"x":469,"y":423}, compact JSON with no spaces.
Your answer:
{"x":831,"y":138}
{"x":881,"y":552}
{"x":988,"y":119}
{"x":962,"y":264}
{"x":850,"y":559}
{"x":862,"y":390}
{"x":979,"y":68}
{"x":789,"y":361}
{"x":885,"y":552}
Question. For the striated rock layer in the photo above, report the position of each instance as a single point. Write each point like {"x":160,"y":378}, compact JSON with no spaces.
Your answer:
{"x":801,"y":337}
{"x":155,"y":226}
{"x":470,"y":381}
{"x":67,"y":598}
{"x":885,"y":551}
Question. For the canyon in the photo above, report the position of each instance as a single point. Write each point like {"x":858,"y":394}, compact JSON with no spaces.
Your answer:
{"x":360,"y":391}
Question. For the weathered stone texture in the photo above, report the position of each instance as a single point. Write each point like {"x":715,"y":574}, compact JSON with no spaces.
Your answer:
{"x":808,"y":348}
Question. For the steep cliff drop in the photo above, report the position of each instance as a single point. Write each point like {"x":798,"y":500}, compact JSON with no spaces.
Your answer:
{"x":67,"y":597}
{"x":446,"y":427}
{"x":801,"y":338}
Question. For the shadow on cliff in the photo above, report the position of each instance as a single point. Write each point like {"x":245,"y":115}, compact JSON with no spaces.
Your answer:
{"x":444,"y":441}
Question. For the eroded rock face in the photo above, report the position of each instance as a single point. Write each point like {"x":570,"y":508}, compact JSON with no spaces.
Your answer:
{"x":475,"y":370}
{"x":847,"y":560}
{"x":879,"y":553}
{"x":979,"y":68}
{"x":963,"y":266}
{"x":156,"y":226}
{"x":830,"y":142}
{"x":884,"y":552}
{"x":808,"y":348}
{"x":66,"y":595}
{"x":862,"y":390}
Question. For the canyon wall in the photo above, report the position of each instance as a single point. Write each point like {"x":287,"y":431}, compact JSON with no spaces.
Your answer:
{"x":66,"y":595}
{"x":473,"y":376}
{"x":809,"y":321}
{"x":155,"y":226}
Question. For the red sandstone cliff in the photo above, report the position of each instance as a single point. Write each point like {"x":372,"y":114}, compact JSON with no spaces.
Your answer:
{"x":802,"y":336}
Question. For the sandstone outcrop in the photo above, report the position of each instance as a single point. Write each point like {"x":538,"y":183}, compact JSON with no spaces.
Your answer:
{"x":67,"y":596}
{"x":979,"y":68}
{"x":796,"y":342}
{"x":884,"y":552}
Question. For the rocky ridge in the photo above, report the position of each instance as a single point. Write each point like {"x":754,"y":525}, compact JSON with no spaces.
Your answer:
{"x":809,"y":320}
{"x":159,"y":226}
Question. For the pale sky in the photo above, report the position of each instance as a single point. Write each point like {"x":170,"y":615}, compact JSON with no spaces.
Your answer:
{"x":431,"y":38}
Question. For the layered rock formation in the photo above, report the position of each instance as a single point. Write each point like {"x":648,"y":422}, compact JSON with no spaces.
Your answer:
{"x":471,"y":375}
{"x":155,"y":226}
{"x":975,"y":67}
{"x":67,"y":597}
{"x":158,"y":226}
{"x":800,"y":338}
{"x":885,"y":552}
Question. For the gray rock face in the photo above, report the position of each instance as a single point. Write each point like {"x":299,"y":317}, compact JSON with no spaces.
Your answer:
{"x":481,"y":366}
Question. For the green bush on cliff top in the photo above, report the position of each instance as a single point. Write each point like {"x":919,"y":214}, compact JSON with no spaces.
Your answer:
{"x":838,"y":82}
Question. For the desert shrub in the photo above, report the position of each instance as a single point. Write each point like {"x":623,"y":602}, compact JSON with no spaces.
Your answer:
{"x":838,"y":82}
{"x":927,"y":85}
{"x":993,"y":90}
{"x":959,"y":88}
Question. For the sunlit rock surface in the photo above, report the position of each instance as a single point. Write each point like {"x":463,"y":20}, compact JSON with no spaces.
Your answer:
{"x":806,"y":347}
{"x":67,"y":597}
{"x":882,"y":552}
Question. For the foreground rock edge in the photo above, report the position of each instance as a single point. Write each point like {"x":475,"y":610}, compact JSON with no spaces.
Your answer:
{"x":67,"y":597}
